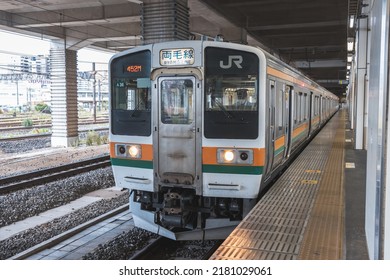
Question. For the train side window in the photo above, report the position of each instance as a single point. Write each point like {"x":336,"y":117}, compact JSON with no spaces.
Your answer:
{"x":295,"y":108}
{"x":297,"y":113}
{"x":279,"y":111}
{"x":301,"y":107}
{"x":304,"y":107}
{"x":316,"y":105}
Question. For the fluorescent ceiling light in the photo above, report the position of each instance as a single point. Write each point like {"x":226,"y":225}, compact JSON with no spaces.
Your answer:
{"x":350,"y":46}
{"x":351,"y":21}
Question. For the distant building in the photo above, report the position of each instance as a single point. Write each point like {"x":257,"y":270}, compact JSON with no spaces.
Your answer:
{"x":25,"y":81}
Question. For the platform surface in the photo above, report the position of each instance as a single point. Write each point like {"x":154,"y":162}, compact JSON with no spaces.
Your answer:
{"x":303,"y":215}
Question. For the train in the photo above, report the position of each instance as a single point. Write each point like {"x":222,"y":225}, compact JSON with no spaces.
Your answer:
{"x":198,"y":129}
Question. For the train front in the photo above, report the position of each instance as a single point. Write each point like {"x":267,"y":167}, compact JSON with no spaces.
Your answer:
{"x":185,"y":122}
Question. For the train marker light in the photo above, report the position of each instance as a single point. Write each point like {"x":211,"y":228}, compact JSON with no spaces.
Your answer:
{"x":244,"y":156}
{"x":121,"y":150}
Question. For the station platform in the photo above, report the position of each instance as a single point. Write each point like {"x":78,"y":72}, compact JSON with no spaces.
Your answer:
{"x":314,"y":211}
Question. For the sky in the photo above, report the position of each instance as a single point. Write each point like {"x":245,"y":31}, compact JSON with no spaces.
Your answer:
{"x":22,"y":44}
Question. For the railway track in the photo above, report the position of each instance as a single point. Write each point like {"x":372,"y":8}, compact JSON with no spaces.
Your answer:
{"x":27,"y":180}
{"x":43,"y":135}
{"x":15,"y":123}
{"x":163,"y":249}
{"x":35,"y":250}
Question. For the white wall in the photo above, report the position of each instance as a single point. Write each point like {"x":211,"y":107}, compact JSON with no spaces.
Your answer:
{"x":377,"y":153}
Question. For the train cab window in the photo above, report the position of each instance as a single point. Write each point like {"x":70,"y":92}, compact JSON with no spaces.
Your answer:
{"x":132,"y":98}
{"x":237,"y":97}
{"x":231,"y":94}
{"x":130,"y":94}
{"x":131,"y":107}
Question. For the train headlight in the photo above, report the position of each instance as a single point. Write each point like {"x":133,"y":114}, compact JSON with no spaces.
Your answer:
{"x":226,"y":155}
{"x":134,"y":151}
{"x":235,"y":156}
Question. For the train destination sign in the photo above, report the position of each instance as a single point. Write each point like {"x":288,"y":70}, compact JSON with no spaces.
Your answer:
{"x":134,"y":68}
{"x":174,"y":57}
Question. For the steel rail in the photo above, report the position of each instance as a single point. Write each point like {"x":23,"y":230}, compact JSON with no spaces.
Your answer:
{"x":27,"y":180}
{"x":67,"y":234}
{"x":42,"y":135}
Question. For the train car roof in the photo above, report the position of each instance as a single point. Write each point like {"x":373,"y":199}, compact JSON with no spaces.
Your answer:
{"x":284,"y":67}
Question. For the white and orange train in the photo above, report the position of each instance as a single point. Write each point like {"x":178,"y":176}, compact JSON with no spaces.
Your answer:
{"x":199,"y":128}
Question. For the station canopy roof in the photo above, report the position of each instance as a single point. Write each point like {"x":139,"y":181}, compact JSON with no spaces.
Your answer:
{"x":311,"y":35}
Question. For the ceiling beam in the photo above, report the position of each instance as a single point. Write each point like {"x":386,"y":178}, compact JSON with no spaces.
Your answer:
{"x":297,"y":25}
{"x":71,"y":17}
{"x":128,"y":19}
{"x":319,"y":63}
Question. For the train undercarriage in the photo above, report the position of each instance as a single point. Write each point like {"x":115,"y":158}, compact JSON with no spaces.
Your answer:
{"x":182,"y":208}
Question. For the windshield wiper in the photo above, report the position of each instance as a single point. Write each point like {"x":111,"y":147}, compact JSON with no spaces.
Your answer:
{"x":225,"y":112}
{"x":136,"y":109}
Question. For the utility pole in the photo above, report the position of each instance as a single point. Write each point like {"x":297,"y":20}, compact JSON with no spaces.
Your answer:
{"x":17,"y":92}
{"x":94,"y":91}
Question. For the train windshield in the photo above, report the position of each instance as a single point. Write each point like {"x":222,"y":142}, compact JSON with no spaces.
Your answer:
{"x":131,"y":95}
{"x":231,"y":94}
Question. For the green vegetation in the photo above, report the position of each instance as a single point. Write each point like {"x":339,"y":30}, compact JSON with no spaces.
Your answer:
{"x":42,"y":107}
{"x":40,"y":130}
{"x":94,"y":138}
{"x":27,"y":123}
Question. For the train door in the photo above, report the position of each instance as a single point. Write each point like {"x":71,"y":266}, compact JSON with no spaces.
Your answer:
{"x":288,"y":119}
{"x":177,"y":141}
{"x":311,"y":104}
{"x":280,"y":130}
{"x":271,"y":127}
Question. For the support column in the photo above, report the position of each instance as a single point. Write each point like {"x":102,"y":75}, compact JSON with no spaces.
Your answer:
{"x":361,"y":87}
{"x":63,"y":95}
{"x":165,"y":20}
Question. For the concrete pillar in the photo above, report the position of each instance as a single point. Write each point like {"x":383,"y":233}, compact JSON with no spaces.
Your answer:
{"x":361,"y":86}
{"x":63,"y":95}
{"x":165,"y":20}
